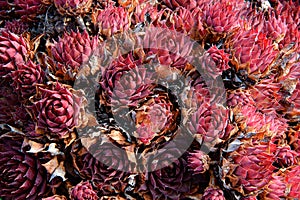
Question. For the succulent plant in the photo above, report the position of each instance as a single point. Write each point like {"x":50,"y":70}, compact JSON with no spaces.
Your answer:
{"x":179,"y":3}
{"x":72,"y":7}
{"x":213,"y":194}
{"x":82,"y":191}
{"x":254,"y":52}
{"x":275,"y":189}
{"x":56,"y":110}
{"x":14,"y":52}
{"x":250,"y":168}
{"x":286,"y":157}
{"x":28,"y":10}
{"x":24,"y":177}
{"x":16,"y":26}
{"x":173,"y":181}
{"x":104,"y":164}
{"x":71,"y":51}
{"x":220,"y":19}
{"x":198,"y":161}
{"x":26,"y":77}
{"x":136,"y":99}
{"x":112,"y":20}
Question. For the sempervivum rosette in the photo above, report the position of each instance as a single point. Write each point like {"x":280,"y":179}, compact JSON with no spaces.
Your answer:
{"x":190,"y":4}
{"x":122,"y":78}
{"x":215,"y":61}
{"x":198,"y":161}
{"x":250,"y":119}
{"x":292,"y":181}
{"x":12,"y":111}
{"x":168,"y":177}
{"x":23,"y":176}
{"x":28,"y":10}
{"x":73,"y":7}
{"x":266,"y":95}
{"x":16,"y":26}
{"x":57,"y":110}
{"x":286,"y":157}
{"x":112,"y":20}
{"x":253,"y":52}
{"x":26,"y":77}
{"x":71,"y":51}
{"x":209,"y":119}
{"x":83,"y":191}
{"x":103,"y":163}
{"x":13,"y":52}
{"x":220,"y":19}
{"x":249,"y":168}
{"x":211,"y":193}
{"x":155,"y":117}
{"x":275,"y":189}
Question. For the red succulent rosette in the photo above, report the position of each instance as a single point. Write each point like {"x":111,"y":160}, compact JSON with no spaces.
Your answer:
{"x":198,"y":161}
{"x":23,"y":176}
{"x":56,"y":110}
{"x":275,"y":189}
{"x":173,"y":4}
{"x":12,"y":111}
{"x":167,"y":175}
{"x":83,"y":191}
{"x":71,"y":51}
{"x":26,"y":77}
{"x":104,"y":164}
{"x":286,"y":157}
{"x":249,"y":168}
{"x":16,"y":26}
{"x":253,"y":52}
{"x":28,"y":9}
{"x":292,"y":181}
{"x":112,"y":20}
{"x":13,"y":52}
{"x":211,"y":193}
{"x":221,"y":19}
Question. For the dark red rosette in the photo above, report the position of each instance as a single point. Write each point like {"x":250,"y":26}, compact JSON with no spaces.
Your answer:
{"x":286,"y":157}
{"x":12,"y":111}
{"x":83,"y":191}
{"x":104,"y":164}
{"x":167,"y":177}
{"x":14,"y":51}
{"x":16,"y":26}
{"x":125,"y":81}
{"x":112,"y":20}
{"x":28,"y":9}
{"x":211,"y":193}
{"x":71,"y":51}
{"x":198,"y":161}
{"x":56,"y":110}
{"x":23,"y":176}
{"x":26,"y":77}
